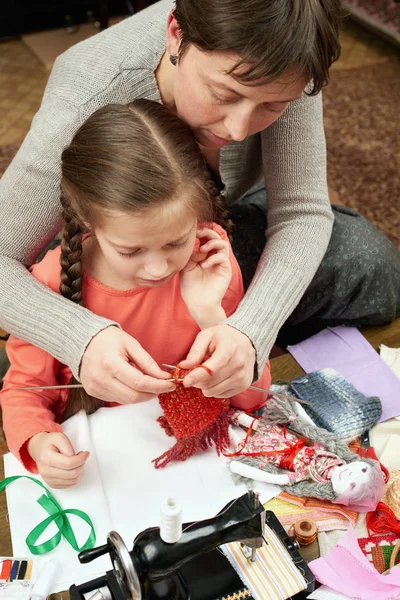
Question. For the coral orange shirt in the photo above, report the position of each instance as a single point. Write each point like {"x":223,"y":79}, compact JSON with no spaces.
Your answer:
{"x":157,"y":317}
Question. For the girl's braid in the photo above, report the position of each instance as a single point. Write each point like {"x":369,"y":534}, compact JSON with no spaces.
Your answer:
{"x":71,"y":288}
{"x":71,"y":255}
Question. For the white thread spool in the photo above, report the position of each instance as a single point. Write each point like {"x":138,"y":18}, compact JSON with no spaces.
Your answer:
{"x":101,"y":594}
{"x":171,"y":521}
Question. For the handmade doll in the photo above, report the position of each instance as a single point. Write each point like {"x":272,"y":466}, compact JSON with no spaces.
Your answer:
{"x":313,"y":464}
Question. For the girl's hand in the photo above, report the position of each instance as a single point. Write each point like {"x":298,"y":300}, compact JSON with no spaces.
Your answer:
{"x":206,"y":278}
{"x":229,"y":355}
{"x":56,"y":460}
{"x":108,"y":369}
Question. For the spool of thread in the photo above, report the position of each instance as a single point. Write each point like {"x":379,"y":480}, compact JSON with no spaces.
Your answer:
{"x":304,"y":531}
{"x":171,"y":521}
{"x":101,"y":594}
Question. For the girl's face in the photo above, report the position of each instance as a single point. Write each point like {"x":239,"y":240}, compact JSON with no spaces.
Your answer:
{"x":218,"y":108}
{"x":145,"y":249}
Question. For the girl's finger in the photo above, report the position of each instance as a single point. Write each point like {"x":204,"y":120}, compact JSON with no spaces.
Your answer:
{"x":59,"y":484}
{"x":214,"y":245}
{"x":67,"y":463}
{"x":215,"y":259}
{"x":64,"y":475}
{"x":128,"y":383}
{"x":143,"y":360}
{"x":124,"y":394}
{"x":205,"y":232}
{"x":62,"y":445}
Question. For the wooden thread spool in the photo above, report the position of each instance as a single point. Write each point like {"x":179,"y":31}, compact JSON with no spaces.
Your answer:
{"x":304,"y":531}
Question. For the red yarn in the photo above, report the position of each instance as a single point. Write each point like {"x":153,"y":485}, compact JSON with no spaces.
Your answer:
{"x":382,"y":520}
{"x":286,"y":461}
{"x":197,"y":422}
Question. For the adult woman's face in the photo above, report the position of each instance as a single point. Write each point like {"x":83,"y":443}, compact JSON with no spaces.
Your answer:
{"x":217,"y":107}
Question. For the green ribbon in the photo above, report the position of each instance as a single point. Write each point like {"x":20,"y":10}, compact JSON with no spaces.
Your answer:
{"x":57,"y":516}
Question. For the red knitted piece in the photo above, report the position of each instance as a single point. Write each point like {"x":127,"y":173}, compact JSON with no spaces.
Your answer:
{"x":197,"y":422}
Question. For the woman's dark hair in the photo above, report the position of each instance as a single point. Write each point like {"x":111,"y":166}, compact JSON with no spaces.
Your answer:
{"x":128,"y":158}
{"x":269,"y":36}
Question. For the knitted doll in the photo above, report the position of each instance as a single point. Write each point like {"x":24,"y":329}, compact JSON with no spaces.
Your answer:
{"x":197,"y":422}
{"x":316,"y":465}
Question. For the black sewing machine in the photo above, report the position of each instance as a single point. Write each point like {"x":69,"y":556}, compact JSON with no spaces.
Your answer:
{"x":192,"y":568}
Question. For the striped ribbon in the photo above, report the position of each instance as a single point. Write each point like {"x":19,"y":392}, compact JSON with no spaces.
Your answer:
{"x":273,"y":575}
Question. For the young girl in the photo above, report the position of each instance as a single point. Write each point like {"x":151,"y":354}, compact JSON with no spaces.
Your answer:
{"x":140,"y":247}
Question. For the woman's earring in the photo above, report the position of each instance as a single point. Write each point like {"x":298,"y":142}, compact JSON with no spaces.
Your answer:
{"x":173,"y":59}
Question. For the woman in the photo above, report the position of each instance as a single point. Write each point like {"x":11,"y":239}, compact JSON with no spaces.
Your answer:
{"x":231,"y":70}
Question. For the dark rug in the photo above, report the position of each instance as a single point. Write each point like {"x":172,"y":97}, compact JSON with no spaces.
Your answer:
{"x":362,"y":124}
{"x":381,"y":13}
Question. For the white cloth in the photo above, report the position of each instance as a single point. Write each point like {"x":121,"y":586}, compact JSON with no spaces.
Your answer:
{"x":120,"y":489}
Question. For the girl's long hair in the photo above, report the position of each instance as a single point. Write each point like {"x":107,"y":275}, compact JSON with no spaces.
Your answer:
{"x":127,"y":158}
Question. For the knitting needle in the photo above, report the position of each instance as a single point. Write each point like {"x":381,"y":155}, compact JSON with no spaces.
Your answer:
{"x":79,"y":385}
{"x":64,"y":387}
{"x":258,"y":389}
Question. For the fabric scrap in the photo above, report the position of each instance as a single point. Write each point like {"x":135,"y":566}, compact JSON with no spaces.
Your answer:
{"x":371,"y":543}
{"x":346,"y":570}
{"x":337,"y":406}
{"x":273,"y":575}
{"x":347,"y":351}
{"x":391,"y":356}
{"x":326,"y":514}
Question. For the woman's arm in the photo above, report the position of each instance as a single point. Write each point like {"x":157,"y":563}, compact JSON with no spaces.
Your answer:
{"x":30,"y":216}
{"x":299,"y":223}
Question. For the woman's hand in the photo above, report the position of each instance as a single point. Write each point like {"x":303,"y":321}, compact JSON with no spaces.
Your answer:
{"x":116,"y":368}
{"x":56,"y":460}
{"x":206,"y":278}
{"x":230,"y":358}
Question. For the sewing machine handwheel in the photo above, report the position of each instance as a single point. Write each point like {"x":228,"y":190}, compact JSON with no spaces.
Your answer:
{"x":124,"y":569}
{"x":87,"y":556}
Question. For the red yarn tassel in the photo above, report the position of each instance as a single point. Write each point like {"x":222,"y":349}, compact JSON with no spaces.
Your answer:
{"x":382,"y":520}
{"x":197,"y":422}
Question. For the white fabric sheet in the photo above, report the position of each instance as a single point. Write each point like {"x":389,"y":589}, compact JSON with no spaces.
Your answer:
{"x":120,"y":489}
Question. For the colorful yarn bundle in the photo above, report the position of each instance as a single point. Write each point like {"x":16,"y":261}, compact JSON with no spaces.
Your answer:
{"x":197,"y":422}
{"x":386,"y":517}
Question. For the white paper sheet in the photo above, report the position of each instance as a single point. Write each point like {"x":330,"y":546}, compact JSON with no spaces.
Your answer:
{"x":120,"y":489}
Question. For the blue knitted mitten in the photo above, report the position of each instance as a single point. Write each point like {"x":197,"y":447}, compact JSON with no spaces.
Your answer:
{"x":336,"y":404}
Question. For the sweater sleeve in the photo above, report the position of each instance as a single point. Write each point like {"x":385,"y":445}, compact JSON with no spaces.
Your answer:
{"x":30,"y":216}
{"x":26,"y":413}
{"x":300,"y":223}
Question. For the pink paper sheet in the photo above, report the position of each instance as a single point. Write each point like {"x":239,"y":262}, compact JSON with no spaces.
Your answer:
{"x":347,"y":351}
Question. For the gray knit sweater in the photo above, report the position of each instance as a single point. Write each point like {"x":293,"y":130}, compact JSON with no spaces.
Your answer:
{"x":117,"y":66}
